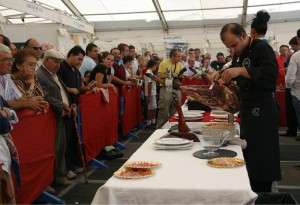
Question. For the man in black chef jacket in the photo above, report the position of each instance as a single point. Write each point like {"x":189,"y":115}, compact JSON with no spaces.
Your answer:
{"x":254,"y":67}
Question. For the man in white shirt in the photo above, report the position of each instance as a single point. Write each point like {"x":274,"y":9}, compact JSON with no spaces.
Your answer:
{"x":292,"y":80}
{"x":150,"y":93}
{"x":7,"y":117}
{"x":135,"y":63}
{"x":191,"y":69}
{"x":183,"y":59}
{"x":198,"y":55}
{"x":89,"y":63}
{"x":192,"y":55}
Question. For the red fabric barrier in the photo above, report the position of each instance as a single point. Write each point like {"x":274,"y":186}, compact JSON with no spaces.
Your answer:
{"x":99,"y":122}
{"x":194,"y":81}
{"x":206,"y":118}
{"x":132,"y":108}
{"x":34,"y":139}
{"x":280,"y":98}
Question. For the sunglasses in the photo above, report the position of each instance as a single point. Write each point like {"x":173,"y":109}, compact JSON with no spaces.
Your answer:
{"x":37,"y":48}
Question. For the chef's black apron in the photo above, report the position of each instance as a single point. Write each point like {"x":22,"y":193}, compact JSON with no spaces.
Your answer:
{"x":258,"y":111}
{"x":259,"y":126}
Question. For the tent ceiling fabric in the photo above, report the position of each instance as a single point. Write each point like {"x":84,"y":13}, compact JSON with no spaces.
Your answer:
{"x":116,"y":15}
{"x":111,"y":15}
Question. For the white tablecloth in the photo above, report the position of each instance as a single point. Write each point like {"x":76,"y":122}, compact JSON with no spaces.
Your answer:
{"x":182,"y":179}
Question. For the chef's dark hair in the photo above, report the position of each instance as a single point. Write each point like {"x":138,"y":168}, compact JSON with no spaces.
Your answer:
{"x":259,"y":23}
{"x":233,"y":28}
{"x":173,"y":52}
{"x":298,"y":33}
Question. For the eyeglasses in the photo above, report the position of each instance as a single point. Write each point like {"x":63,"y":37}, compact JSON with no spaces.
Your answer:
{"x":37,"y":48}
{"x":7,"y":60}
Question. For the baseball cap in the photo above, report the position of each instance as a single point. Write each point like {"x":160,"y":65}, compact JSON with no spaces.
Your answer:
{"x":52,"y":53}
{"x":4,"y":48}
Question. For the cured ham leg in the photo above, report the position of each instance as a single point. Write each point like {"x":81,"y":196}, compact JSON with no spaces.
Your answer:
{"x":219,"y":96}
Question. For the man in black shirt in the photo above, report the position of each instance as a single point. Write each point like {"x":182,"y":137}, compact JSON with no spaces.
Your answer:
{"x":219,"y":63}
{"x":255,"y":69}
{"x":71,"y":77}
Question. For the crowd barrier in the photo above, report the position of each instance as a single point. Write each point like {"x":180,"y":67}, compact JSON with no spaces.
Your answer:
{"x":34,"y":138}
{"x":99,"y":122}
{"x":132,"y":115}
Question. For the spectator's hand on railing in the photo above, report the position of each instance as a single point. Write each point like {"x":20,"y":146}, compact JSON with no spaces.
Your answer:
{"x":113,"y":88}
{"x":190,"y":78}
{"x":96,"y":90}
{"x":38,"y":104}
{"x":127,"y":83}
{"x":91,"y":85}
{"x":73,"y":91}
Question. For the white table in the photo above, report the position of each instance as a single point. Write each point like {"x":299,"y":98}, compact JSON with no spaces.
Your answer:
{"x":182,"y":179}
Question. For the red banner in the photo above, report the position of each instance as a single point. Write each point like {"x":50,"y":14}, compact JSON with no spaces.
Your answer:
{"x":132,"y":108}
{"x":194,"y":81}
{"x":99,"y":122}
{"x":34,"y":139}
{"x":280,"y":98}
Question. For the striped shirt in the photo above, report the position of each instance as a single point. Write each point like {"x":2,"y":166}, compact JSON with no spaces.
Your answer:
{"x":8,"y":90}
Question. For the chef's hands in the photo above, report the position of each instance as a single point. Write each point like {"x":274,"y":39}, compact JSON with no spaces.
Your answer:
{"x":228,"y":74}
{"x":231,"y":73}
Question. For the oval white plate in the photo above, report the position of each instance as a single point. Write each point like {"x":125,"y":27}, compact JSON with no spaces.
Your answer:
{"x":189,"y":115}
{"x":172,"y":141}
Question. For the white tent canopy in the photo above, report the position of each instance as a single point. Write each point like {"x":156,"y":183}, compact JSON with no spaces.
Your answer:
{"x":108,"y":15}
